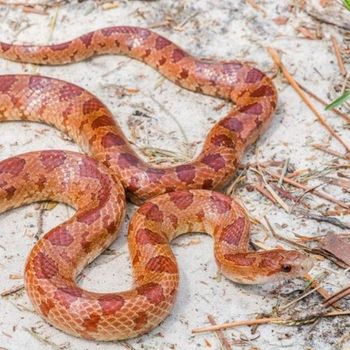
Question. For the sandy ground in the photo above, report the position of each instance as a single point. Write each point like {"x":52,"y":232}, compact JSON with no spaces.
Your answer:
{"x":169,"y":124}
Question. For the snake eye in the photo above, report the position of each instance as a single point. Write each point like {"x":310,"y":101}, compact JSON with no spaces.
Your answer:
{"x":286,"y":268}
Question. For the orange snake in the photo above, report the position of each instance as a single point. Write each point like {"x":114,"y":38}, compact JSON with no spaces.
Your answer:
{"x":180,"y":201}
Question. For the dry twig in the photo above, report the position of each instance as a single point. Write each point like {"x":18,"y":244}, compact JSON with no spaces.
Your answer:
{"x":223,"y":341}
{"x":280,"y":320}
{"x":316,"y":192}
{"x":330,"y":151}
{"x":339,"y":57}
{"x":336,"y":296}
{"x":300,"y":92}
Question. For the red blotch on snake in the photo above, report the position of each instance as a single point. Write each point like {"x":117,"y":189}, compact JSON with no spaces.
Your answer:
{"x":220,"y":203}
{"x":53,"y":159}
{"x":232,"y":233}
{"x":5,"y":47}
{"x":222,"y":141}
{"x":182,"y":200}
{"x":111,"y":303}
{"x":90,"y":324}
{"x":127,"y":159}
{"x":264,"y":90}
{"x":254,"y":108}
{"x":207,"y":184}
{"x":44,"y":266}
{"x":152,"y":291}
{"x":146,"y":236}
{"x":112,"y":139}
{"x":177,"y":55}
{"x":184,"y":73}
{"x":140,"y":320}
{"x":60,"y":237}
{"x":6,"y":83}
{"x":214,"y":161}
{"x":186,"y":173}
{"x":91,"y":105}
{"x":173,"y":219}
{"x":88,"y":217}
{"x":151,"y":211}
{"x":161,"y":43}
{"x":10,"y":191}
{"x":86,"y":39}
{"x":253,"y":76}
{"x":232,"y":124}
{"x":102,"y":121}
{"x":46,"y":306}
{"x":161,"y":263}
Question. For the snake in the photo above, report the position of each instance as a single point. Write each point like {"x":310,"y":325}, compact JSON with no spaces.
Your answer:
{"x":174,"y":200}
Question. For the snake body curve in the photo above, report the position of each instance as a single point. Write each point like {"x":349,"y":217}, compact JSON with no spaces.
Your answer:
{"x":177,"y":205}
{"x":89,"y":122}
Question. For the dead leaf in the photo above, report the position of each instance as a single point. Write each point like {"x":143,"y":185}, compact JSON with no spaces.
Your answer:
{"x":337,"y":246}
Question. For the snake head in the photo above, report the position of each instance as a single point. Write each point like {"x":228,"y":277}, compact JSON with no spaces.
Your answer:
{"x":263,"y":267}
{"x":280,"y":264}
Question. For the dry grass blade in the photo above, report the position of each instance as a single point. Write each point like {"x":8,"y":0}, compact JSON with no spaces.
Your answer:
{"x":300,"y":92}
{"x":336,"y":181}
{"x":338,"y":56}
{"x":260,"y":188}
{"x":283,"y":173}
{"x":331,"y":151}
{"x":281,"y":320}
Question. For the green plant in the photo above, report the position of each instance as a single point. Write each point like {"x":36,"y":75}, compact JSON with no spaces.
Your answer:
{"x":338,"y":101}
{"x":347,"y":4}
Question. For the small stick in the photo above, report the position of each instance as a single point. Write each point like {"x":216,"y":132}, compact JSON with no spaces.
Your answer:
{"x":318,"y":193}
{"x":287,"y":195}
{"x":238,"y":324}
{"x":339,"y":57}
{"x":315,"y":284}
{"x":261,"y":321}
{"x":283,"y":173}
{"x":223,"y":341}
{"x":300,"y":92}
{"x":336,"y":296}
{"x":264,"y":192}
{"x":325,"y":103}
{"x":330,"y":151}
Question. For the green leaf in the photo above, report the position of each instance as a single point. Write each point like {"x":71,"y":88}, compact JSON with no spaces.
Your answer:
{"x":338,"y":101}
{"x":347,"y":4}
